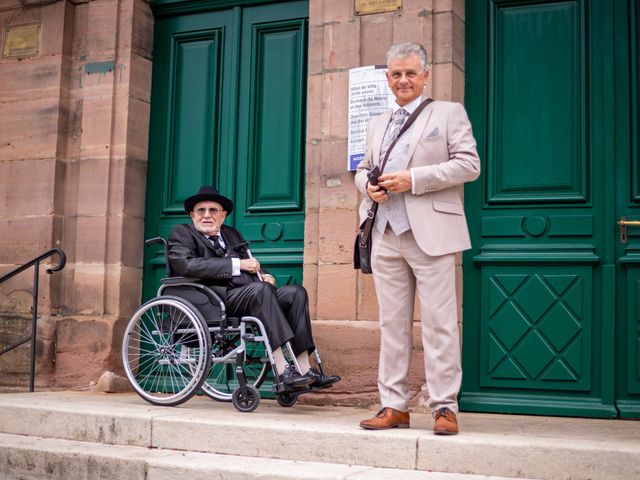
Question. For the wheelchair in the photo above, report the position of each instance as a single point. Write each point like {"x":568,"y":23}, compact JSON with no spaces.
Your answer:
{"x":170,"y":351}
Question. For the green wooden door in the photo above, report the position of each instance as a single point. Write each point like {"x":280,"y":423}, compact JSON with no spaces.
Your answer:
{"x":551,"y":315}
{"x":627,"y":207}
{"x":227,"y":108}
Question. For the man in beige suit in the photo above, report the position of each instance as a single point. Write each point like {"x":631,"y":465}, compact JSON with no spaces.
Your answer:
{"x":419,"y":227}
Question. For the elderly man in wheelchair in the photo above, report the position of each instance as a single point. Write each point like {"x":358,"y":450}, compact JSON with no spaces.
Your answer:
{"x":252,"y":324}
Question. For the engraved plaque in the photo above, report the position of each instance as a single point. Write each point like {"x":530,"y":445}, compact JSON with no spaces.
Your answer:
{"x":364,"y":7}
{"x":22,"y":40}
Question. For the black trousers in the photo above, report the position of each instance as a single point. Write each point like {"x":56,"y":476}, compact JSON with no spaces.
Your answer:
{"x":283,"y":310}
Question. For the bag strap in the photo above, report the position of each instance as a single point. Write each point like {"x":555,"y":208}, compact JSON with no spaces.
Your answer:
{"x":371,"y":214}
{"x":405,"y":127}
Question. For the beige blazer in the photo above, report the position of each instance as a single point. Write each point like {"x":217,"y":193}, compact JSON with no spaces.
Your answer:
{"x":443,"y":157}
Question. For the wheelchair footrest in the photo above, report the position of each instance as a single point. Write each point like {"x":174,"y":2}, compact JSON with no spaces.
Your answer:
{"x":280,"y":388}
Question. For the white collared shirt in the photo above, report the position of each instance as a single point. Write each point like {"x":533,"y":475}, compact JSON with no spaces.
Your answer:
{"x":409,"y":107}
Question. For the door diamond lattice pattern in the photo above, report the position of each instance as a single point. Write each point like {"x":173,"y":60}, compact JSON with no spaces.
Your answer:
{"x":537,"y":329}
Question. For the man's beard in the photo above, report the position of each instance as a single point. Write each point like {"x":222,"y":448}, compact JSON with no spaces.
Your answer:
{"x":207,"y":229}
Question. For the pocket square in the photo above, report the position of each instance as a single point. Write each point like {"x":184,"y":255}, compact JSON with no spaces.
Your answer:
{"x":434,"y":133}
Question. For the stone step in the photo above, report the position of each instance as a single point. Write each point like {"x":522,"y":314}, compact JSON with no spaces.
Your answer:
{"x":38,"y":458}
{"x":491,"y":445}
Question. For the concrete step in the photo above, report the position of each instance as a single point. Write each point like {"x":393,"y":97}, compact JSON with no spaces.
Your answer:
{"x":492,"y":445}
{"x":38,"y":458}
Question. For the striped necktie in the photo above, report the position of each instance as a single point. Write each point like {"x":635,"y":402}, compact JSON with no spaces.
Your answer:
{"x":397,"y":120}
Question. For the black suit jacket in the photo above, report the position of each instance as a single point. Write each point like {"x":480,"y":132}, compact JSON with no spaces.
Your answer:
{"x":191,"y":254}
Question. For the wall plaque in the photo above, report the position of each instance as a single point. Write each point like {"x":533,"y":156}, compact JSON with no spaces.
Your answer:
{"x":21,"y":40}
{"x":364,"y":7}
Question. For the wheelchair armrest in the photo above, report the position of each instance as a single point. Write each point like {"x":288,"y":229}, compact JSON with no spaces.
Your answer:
{"x":179,"y":280}
{"x":194,"y":283}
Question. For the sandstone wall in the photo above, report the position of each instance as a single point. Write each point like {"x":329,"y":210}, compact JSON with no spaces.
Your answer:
{"x":73,"y":149}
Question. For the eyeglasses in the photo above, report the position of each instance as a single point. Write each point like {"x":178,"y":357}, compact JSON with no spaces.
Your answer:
{"x":212,"y":211}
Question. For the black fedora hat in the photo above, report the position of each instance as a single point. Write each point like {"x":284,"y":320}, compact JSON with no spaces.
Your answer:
{"x":208,"y":193}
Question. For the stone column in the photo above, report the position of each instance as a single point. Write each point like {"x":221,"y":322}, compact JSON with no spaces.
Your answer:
{"x":77,"y":155}
{"x":104,"y":184}
{"x":34,"y":86}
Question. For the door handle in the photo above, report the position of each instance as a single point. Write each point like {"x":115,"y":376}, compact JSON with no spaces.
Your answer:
{"x":624,"y":223}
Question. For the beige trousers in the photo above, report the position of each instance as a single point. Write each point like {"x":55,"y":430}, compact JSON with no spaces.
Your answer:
{"x":400,"y":268}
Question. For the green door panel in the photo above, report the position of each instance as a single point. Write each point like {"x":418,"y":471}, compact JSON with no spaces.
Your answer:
{"x":550,"y":323}
{"x":188,"y":103}
{"x":538,"y":76}
{"x":538,"y":328}
{"x":270,"y":175}
{"x":227,"y":109}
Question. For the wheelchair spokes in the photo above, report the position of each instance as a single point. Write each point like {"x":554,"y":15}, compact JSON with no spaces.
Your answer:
{"x":162,"y":351}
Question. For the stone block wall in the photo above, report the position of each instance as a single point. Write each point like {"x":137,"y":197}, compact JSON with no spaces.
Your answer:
{"x":343,"y":300}
{"x":73,"y":155}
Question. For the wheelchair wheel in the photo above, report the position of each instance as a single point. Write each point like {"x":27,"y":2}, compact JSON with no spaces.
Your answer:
{"x":246,"y":401}
{"x":287,"y":399}
{"x":165,"y":351}
{"x":222,"y":380}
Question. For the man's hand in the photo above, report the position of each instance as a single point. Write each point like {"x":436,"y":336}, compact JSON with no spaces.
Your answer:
{"x":397,"y":182}
{"x":376,"y":193}
{"x":266,"y":277}
{"x":250,"y":265}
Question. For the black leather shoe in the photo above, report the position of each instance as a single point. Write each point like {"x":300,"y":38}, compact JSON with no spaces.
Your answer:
{"x":320,"y":380}
{"x":292,"y":378}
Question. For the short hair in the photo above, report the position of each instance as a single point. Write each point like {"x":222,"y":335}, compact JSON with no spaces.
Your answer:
{"x":405,"y":50}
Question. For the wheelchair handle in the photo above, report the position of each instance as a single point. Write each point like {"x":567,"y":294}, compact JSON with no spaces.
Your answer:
{"x":165,"y":244}
{"x":151,"y":241}
{"x":245,"y":244}
{"x":237,"y":246}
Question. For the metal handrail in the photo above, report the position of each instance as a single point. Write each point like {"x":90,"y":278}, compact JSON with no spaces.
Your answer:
{"x":34,"y":305}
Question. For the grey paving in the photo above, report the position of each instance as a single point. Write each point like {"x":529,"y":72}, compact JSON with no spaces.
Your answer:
{"x":122,"y":434}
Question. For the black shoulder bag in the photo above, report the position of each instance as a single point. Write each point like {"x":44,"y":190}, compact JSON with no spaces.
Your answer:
{"x":362,"y":246}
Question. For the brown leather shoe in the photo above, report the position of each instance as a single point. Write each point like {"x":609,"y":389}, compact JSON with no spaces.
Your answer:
{"x":446,"y":422}
{"x":387,"y":418}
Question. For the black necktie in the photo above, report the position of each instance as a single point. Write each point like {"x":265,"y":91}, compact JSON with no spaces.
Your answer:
{"x":216,"y":244}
